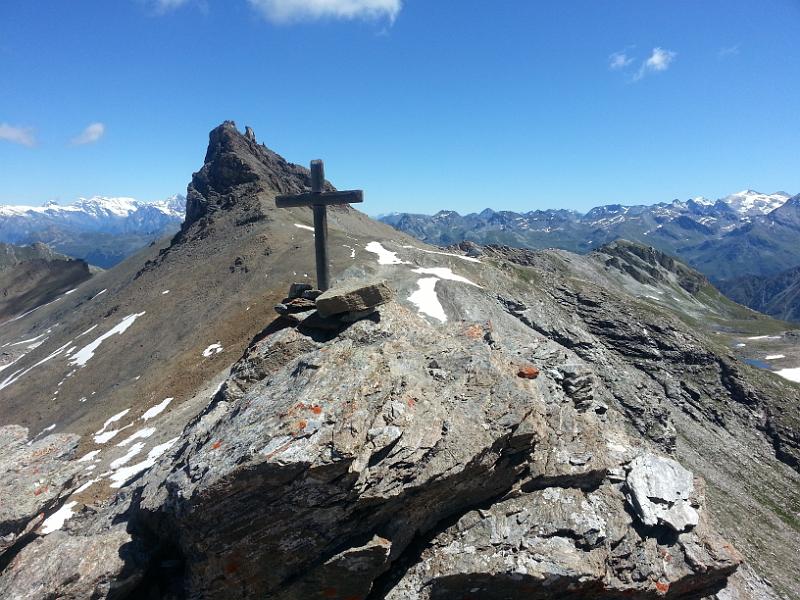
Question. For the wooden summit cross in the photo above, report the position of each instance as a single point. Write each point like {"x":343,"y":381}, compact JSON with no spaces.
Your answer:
{"x":319,"y":200}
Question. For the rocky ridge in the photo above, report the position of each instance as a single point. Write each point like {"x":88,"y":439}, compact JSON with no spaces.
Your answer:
{"x":511,"y":424}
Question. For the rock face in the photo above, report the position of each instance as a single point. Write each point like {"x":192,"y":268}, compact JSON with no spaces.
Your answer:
{"x":34,"y":478}
{"x":236,"y":172}
{"x":430,"y":471}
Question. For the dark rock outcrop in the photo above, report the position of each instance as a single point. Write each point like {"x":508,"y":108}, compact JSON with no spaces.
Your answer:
{"x":240,"y":172}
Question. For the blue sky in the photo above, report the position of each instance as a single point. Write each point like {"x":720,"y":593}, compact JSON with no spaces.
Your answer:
{"x":425,"y":104}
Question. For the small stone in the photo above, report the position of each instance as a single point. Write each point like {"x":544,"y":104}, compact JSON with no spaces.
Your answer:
{"x":281,"y":309}
{"x":528,"y":372}
{"x":311,"y":294}
{"x":353,"y":298}
{"x":296,"y":289}
{"x":300,"y":305}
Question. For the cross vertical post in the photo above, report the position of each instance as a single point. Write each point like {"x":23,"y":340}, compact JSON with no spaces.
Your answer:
{"x":319,"y":201}
{"x":320,"y":226}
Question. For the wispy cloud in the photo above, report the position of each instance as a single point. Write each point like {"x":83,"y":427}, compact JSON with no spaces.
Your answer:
{"x":165,"y":6}
{"x":728,"y":51}
{"x":288,"y":11}
{"x":90,"y":135}
{"x":659,"y":60}
{"x":17,"y":135}
{"x":619,"y":60}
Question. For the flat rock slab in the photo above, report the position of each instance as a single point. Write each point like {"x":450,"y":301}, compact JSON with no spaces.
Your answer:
{"x":354,"y":298}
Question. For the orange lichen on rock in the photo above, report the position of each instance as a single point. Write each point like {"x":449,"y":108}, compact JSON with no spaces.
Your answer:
{"x":474,"y":332}
{"x":662,"y":587}
{"x":528,"y":372}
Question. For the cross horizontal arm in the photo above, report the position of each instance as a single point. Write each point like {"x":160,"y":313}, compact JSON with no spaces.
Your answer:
{"x":320,"y":199}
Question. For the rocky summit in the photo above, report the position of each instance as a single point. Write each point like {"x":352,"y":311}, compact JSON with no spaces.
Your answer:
{"x":443,"y":423}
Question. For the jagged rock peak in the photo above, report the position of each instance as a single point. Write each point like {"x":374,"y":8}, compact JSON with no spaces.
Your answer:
{"x":237,"y":171}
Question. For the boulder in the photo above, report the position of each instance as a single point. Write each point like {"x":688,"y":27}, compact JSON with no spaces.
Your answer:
{"x":353,"y":298}
{"x":660,"y":492}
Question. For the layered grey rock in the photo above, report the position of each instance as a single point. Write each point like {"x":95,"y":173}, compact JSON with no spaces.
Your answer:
{"x":34,"y":479}
{"x":357,"y":297}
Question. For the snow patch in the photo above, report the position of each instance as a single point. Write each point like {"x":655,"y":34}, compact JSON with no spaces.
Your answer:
{"x":300,"y":226}
{"x":121,"y":476}
{"x":157,"y":409}
{"x":56,"y":521}
{"x":85,"y":486}
{"x":16,"y":375}
{"x":212,"y":350}
{"x":143,"y":433}
{"x":102,"y":436}
{"x":426,"y":300}
{"x":790,"y":374}
{"x":84,"y":354}
{"x":443,"y":273}
{"x":385,"y":257}
{"x":92,"y":328}
{"x":461,"y":256}
{"x":774,"y":356}
{"x":126,"y":458}
{"x":88,"y":456}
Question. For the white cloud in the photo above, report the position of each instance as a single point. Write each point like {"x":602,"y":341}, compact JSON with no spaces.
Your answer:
{"x":92,"y":133}
{"x":17,"y":135}
{"x":619,"y":60}
{"x":659,"y":60}
{"x":286,"y":11}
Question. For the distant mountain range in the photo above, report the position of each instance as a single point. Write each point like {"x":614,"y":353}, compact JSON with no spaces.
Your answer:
{"x":100,"y":230}
{"x":747,"y":234}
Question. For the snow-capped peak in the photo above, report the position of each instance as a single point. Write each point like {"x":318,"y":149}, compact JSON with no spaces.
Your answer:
{"x":749,"y":203}
{"x":112,"y":215}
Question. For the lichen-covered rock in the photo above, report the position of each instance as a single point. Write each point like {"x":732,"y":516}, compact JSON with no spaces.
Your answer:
{"x":74,"y":567}
{"x":34,"y":478}
{"x":431,"y":440}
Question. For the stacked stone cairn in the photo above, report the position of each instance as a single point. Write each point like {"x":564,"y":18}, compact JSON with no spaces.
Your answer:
{"x":335,"y":308}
